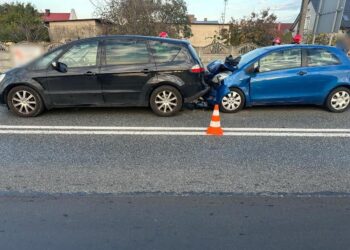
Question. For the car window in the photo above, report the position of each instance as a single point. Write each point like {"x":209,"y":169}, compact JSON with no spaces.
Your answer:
{"x":81,"y":55}
{"x":169,"y":53}
{"x":321,"y":57}
{"x":284,"y":59}
{"x":45,"y":61}
{"x":126,"y":52}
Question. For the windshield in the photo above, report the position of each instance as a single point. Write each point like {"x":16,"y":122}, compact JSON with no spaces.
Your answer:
{"x":246,"y":58}
{"x":43,"y":62}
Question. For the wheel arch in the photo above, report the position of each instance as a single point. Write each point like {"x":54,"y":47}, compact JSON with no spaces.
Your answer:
{"x":347,"y":86}
{"x":13,"y":85}
{"x":153,"y":87}
{"x":243,"y":92}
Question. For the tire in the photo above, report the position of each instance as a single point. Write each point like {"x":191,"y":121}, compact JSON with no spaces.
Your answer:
{"x":25,"y":102}
{"x":338,"y":100}
{"x":166,"y":101}
{"x":233,"y":102}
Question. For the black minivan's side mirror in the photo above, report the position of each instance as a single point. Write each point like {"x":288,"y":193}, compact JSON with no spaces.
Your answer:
{"x":60,"y":67}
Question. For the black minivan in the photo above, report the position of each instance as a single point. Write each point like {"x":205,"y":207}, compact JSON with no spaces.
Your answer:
{"x":109,"y":71}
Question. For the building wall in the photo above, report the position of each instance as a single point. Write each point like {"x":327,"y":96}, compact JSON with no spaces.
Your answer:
{"x":203,"y":33}
{"x":65,"y":31}
{"x":311,"y":17}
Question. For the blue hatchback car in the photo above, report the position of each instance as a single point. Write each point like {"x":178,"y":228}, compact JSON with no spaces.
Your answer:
{"x":288,"y":74}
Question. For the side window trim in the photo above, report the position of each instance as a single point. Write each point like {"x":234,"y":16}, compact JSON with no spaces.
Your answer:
{"x":304,"y":58}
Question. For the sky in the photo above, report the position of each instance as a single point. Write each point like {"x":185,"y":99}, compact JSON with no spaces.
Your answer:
{"x":286,"y":10}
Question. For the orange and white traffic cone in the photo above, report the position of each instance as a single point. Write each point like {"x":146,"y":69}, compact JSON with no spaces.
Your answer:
{"x":215,"y":124}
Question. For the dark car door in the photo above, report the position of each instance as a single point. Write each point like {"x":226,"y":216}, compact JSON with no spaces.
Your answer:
{"x":79,"y":85}
{"x":126,"y":68}
{"x":280,"y":78}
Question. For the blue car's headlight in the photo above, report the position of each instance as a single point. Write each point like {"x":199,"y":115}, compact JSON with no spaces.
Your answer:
{"x":2,"y":76}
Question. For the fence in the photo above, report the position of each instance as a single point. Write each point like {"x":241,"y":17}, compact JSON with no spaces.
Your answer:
{"x":218,"y":50}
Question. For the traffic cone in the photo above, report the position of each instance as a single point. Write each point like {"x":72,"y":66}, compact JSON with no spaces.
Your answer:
{"x":215,"y":124}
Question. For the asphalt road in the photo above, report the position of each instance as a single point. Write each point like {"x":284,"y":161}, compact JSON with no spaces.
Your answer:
{"x":126,"y":179}
{"x":89,"y":163}
{"x":138,"y":222}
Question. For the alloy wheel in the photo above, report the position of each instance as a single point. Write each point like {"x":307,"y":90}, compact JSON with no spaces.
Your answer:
{"x":232,"y":101}
{"x":166,"y":101}
{"x":340,"y":100}
{"x":24,"y":102}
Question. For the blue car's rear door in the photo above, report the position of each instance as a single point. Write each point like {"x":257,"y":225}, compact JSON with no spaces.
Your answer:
{"x":280,"y":78}
{"x":323,"y":71}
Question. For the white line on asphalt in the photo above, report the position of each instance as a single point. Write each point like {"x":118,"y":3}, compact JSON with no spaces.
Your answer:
{"x":96,"y":132}
{"x":103,"y":128}
{"x":172,"y":133}
{"x":288,"y":134}
{"x":113,"y":128}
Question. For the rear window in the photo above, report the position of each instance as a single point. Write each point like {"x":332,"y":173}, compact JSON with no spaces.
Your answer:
{"x":126,"y":52}
{"x":169,"y":53}
{"x":321,"y":57}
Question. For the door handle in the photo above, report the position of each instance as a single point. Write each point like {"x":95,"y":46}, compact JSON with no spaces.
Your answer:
{"x":90,"y":73}
{"x":302,"y":73}
{"x":146,"y":71}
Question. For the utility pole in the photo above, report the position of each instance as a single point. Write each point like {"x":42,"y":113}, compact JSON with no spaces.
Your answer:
{"x":224,"y":13}
{"x":302,"y":19}
{"x":318,"y":14}
{"x":223,"y":19}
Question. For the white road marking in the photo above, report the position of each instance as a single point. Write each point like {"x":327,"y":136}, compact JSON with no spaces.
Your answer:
{"x":171,"y":131}
{"x":102,"y":128}
{"x":117,"y":128}
{"x":96,"y":132}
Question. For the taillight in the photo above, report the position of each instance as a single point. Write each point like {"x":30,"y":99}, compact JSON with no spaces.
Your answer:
{"x":197,"y":69}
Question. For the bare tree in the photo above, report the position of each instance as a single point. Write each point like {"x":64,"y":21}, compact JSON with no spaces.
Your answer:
{"x":258,"y":28}
{"x":145,"y":17}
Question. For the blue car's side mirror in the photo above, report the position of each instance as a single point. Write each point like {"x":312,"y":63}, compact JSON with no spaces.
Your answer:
{"x":253,"y":70}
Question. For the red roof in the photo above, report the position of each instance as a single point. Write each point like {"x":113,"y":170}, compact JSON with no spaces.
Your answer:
{"x":282,"y":27}
{"x":49,"y":17}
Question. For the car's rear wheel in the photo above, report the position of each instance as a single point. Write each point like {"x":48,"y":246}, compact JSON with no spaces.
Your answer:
{"x":339,"y":100}
{"x":25,"y":101}
{"x":166,"y":101}
{"x":233,"y":101}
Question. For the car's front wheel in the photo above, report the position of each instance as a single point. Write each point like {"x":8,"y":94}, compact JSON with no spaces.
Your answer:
{"x":338,"y":101}
{"x":233,"y":101}
{"x":166,"y":101}
{"x":24,"y":101}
